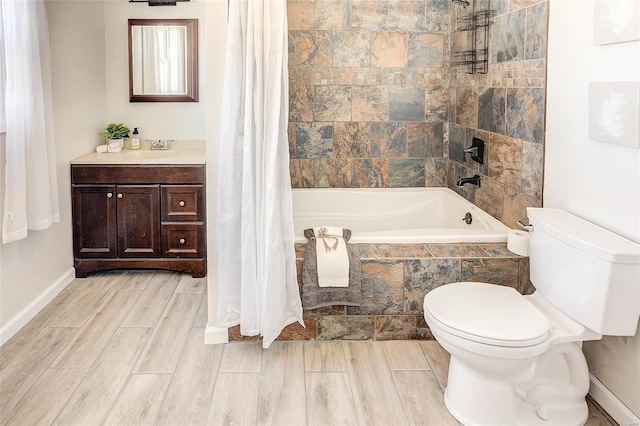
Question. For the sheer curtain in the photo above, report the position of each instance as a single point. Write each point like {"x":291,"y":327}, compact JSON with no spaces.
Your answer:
{"x":30,"y":182}
{"x":257,"y":285}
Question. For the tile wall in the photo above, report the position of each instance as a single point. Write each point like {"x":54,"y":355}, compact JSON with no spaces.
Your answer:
{"x":369,"y":96}
{"x":505,"y":108}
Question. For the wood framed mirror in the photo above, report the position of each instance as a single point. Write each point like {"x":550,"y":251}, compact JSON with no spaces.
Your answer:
{"x":163,"y":60}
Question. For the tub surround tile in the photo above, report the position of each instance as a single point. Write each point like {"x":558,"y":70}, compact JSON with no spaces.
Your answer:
{"x":406,"y":104}
{"x":466,"y":107}
{"x":368,"y":15}
{"x":507,"y":37}
{"x":373,"y":173}
{"x":491,"y":109}
{"x":456,"y":250}
{"x":525,"y":286}
{"x":491,"y":270}
{"x":331,"y":15}
{"x":301,"y":102}
{"x":532,"y":168}
{"x":389,"y":140}
{"x":536,"y":31}
{"x":525,"y":114}
{"x":401,"y":251}
{"x":302,"y":173}
{"x":406,"y":173}
{"x":355,"y":327}
{"x":425,"y":50}
{"x":296,"y":331}
{"x":366,"y":251}
{"x":351,"y":140}
{"x":401,"y":327}
{"x":333,"y":173}
{"x":505,"y":161}
{"x":326,"y":311}
{"x":407,"y":16}
{"x":388,"y":49}
{"x":436,"y":103}
{"x":459,"y":139}
{"x":490,"y":197}
{"x":332,"y":103}
{"x":351,"y":49}
{"x":301,"y":15}
{"x":314,"y":140}
{"x":370,"y":103}
{"x":310,"y":49}
{"x":236,"y":336}
{"x":425,"y":140}
{"x":438,"y":15}
{"x":423,"y":275}
{"x":436,"y":171}
{"x":498,"y":250}
{"x":382,"y":289}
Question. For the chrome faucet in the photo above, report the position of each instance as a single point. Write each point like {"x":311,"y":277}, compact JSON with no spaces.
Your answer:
{"x":475,"y":180}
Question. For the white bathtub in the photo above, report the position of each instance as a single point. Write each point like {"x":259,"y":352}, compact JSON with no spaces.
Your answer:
{"x":395,"y":215}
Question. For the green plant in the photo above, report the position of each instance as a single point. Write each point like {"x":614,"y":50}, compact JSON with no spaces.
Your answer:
{"x":115,"y":131}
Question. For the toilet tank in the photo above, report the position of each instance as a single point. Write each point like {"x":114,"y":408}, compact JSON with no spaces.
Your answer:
{"x":589,"y":273}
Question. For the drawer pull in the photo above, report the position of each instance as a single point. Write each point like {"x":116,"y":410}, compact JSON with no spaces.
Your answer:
{"x":120,"y":195}
{"x":182,"y":241}
{"x":182,"y":203}
{"x":109,"y":194}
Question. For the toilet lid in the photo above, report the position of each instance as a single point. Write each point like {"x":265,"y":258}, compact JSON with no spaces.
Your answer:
{"x":487,"y":313}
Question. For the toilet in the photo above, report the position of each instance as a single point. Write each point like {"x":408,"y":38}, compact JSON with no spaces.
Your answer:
{"x":517,"y":360}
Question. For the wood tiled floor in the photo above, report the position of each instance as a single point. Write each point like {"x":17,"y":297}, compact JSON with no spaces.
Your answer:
{"x":126,"y":348}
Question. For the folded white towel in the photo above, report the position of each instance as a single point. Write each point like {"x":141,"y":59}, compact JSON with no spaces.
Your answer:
{"x":332,"y":257}
{"x":101,"y":149}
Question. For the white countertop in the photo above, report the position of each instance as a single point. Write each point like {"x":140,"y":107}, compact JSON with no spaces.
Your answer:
{"x":181,"y":152}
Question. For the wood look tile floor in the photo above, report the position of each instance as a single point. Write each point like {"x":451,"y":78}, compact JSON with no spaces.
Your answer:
{"x":126,"y":347}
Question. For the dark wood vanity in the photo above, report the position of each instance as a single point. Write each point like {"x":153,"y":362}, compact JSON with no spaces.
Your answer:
{"x":139,"y":216}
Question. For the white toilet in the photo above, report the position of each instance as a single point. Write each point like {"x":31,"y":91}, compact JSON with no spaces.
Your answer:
{"x":517,"y":360}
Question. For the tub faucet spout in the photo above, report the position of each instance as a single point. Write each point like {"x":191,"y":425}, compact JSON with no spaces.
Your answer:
{"x":475,"y":180}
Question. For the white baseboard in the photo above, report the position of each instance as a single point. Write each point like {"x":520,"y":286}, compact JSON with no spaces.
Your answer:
{"x":21,"y":319}
{"x":216,"y":335}
{"x":611,"y":404}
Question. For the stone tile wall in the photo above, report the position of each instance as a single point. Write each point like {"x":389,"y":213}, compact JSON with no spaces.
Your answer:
{"x":369,"y":96}
{"x":505,"y":108}
{"x":395,"y":278}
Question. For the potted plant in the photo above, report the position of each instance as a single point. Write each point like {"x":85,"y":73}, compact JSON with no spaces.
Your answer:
{"x":115,"y":132}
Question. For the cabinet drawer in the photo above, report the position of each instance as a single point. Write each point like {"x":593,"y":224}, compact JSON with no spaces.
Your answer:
{"x":182,"y":202}
{"x":182,"y":239}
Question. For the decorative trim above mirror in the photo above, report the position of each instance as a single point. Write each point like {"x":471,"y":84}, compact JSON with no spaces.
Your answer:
{"x":163,"y":60}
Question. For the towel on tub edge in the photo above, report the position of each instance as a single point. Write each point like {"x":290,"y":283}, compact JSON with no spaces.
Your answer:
{"x":313,"y":295}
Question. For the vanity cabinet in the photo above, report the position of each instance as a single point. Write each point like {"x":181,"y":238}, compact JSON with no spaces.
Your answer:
{"x":139,"y":217}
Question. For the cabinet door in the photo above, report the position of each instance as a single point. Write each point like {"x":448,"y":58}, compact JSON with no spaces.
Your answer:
{"x":138,"y":220}
{"x":94,"y":221}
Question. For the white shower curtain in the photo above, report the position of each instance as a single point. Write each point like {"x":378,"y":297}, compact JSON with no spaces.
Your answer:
{"x":30,"y":182}
{"x":257,"y":285}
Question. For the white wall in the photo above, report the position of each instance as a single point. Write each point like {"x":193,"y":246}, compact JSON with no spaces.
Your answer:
{"x":597,"y":181}
{"x":36,"y":268}
{"x":157,"y":120}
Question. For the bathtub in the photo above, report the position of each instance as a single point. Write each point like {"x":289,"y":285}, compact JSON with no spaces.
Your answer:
{"x":395,"y":215}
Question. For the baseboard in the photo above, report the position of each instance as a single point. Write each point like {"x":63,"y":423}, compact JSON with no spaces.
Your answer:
{"x":216,"y":335}
{"x":21,"y":319}
{"x":611,"y":404}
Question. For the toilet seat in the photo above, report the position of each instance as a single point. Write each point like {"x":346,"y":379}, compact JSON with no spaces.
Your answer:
{"x":488,"y":314}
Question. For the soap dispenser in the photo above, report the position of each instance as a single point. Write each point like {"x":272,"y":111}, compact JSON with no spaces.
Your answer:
{"x":135,"y":141}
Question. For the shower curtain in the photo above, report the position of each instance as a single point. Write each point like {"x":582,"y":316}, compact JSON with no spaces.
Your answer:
{"x":257,"y":286}
{"x":30,"y":180}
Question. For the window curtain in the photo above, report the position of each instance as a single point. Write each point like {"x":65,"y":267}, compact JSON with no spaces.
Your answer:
{"x":30,"y":182}
{"x":257,"y":286}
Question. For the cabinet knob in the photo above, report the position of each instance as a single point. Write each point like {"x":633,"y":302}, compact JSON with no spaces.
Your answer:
{"x":109,"y":194}
{"x":182,"y":241}
{"x":120,"y":195}
{"x":182,"y":203}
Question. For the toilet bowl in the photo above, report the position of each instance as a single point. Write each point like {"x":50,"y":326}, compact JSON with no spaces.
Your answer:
{"x":514,"y":359}
{"x":517,"y":360}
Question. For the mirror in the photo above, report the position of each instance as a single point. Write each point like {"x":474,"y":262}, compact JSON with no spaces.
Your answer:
{"x":163,"y":60}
